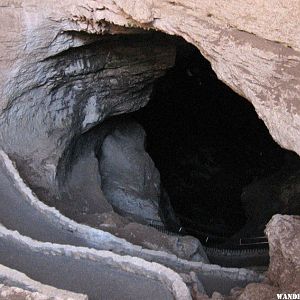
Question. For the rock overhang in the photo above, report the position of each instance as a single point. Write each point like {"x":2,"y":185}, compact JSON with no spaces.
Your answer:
{"x":257,"y":61}
{"x":258,"y":58}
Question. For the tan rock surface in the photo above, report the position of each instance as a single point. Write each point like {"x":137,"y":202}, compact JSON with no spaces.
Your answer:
{"x":284,"y":270}
{"x":253,"y":45}
{"x":284,"y":240}
{"x":16,"y":293}
{"x":16,"y":285}
{"x":283,"y":275}
{"x":259,"y":291}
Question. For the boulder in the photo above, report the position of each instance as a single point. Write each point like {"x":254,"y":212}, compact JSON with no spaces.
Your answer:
{"x":283,"y":276}
{"x":283,"y":233}
{"x":129,"y":178}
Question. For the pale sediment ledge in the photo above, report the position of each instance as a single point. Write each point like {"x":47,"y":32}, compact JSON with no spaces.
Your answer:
{"x":33,"y":218}
{"x":93,"y":272}
{"x":15,"y":283}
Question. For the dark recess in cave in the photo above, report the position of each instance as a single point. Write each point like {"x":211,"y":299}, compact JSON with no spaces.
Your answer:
{"x":208,"y":144}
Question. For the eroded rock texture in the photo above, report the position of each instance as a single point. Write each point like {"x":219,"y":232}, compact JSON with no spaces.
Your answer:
{"x":44,"y":80}
{"x":57,"y":82}
{"x":13,"y":293}
{"x":57,"y":99}
{"x":130,"y":180}
{"x":283,"y":275}
{"x":284,"y":271}
{"x":284,"y":239}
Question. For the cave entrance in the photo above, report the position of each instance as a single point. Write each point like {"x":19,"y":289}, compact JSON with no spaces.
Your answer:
{"x":210,"y":169}
{"x":208,"y":145}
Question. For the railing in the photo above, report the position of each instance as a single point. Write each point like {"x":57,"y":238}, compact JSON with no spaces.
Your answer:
{"x":211,"y":240}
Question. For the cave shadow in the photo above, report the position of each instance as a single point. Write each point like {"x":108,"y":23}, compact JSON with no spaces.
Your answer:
{"x":208,"y":144}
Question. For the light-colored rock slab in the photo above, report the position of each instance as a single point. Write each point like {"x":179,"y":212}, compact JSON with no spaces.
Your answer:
{"x":253,"y":46}
{"x":167,"y":277}
{"x":17,"y":284}
{"x":284,"y":239}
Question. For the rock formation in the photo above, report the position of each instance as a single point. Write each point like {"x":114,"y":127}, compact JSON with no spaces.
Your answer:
{"x":284,"y":271}
{"x":284,"y":241}
{"x":66,"y":66}
{"x":130,"y":180}
{"x":283,"y":274}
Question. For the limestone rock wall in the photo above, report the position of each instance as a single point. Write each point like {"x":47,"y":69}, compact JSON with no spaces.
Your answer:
{"x":252,"y":46}
{"x":52,"y":101}
{"x":284,"y":240}
{"x":129,"y":178}
{"x":283,"y":275}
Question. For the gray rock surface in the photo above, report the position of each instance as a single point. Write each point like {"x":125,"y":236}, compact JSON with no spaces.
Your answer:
{"x":63,"y":95}
{"x":129,"y":178}
{"x":53,"y":88}
{"x":99,"y":274}
{"x":21,"y":210}
{"x":81,"y":188}
{"x":50,"y":94}
{"x":24,"y":212}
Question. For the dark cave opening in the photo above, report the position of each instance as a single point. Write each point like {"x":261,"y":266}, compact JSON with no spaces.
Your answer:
{"x":208,"y":145}
{"x":210,"y":168}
